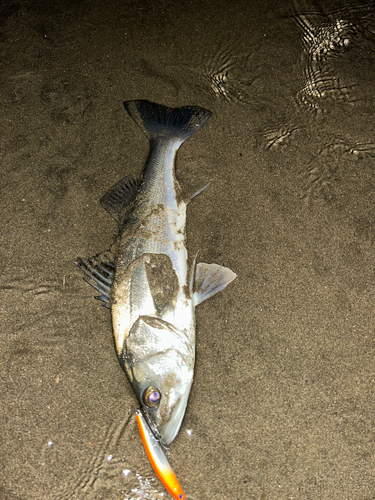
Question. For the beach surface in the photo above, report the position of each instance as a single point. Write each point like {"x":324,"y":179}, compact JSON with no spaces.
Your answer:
{"x":283,"y":400}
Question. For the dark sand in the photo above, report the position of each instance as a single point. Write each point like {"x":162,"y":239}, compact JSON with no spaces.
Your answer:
{"x":283,"y":400}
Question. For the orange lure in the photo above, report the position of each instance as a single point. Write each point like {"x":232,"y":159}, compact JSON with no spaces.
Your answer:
{"x":158,"y":460}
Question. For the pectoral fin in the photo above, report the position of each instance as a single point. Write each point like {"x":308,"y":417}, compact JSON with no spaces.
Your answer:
{"x":209,"y":280}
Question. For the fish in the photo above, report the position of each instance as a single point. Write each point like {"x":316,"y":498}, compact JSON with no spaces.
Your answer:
{"x":146,"y":279}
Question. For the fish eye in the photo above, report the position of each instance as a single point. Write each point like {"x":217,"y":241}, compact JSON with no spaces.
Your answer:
{"x":151,"y":396}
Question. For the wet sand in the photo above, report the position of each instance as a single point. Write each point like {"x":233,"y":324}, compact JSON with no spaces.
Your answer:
{"x":282,"y":405}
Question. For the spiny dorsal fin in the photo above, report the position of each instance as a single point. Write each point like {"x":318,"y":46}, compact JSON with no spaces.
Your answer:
{"x":99,"y":274}
{"x":119,"y":197}
{"x":209,"y":280}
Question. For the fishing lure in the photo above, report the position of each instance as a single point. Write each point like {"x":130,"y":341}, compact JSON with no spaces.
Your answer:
{"x":158,"y":460}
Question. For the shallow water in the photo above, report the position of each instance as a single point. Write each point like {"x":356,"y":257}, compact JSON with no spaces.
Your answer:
{"x":282,"y":404}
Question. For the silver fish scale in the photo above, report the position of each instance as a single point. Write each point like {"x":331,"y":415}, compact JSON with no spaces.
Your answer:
{"x":152,"y":294}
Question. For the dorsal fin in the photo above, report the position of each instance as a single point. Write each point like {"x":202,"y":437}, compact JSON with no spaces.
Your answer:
{"x":99,"y":272}
{"x":119,"y":197}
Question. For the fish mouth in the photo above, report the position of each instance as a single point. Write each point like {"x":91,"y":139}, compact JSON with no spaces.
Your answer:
{"x":165,"y":422}
{"x":154,"y":429}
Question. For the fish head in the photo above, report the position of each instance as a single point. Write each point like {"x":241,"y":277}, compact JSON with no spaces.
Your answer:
{"x":164,"y":393}
{"x":159,"y":362}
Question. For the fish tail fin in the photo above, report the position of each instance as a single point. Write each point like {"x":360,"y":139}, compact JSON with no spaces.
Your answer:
{"x":157,"y":120}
